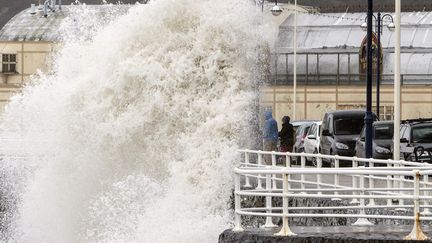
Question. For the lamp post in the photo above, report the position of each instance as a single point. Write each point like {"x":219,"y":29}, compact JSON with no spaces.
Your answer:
{"x":378,"y":29}
{"x":397,"y":82}
{"x":276,"y":10}
{"x":369,"y":117}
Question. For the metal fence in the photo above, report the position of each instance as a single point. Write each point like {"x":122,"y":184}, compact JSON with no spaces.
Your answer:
{"x":353,"y":180}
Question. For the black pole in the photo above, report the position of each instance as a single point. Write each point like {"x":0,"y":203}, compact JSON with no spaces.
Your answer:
{"x":378,"y":68}
{"x":369,"y":117}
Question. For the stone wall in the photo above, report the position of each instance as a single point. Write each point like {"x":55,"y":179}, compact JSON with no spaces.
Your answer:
{"x":314,"y":101}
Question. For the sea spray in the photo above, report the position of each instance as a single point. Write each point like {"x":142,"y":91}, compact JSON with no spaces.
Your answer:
{"x":132,"y":136}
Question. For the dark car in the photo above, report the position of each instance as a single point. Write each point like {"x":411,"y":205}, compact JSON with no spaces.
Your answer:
{"x":416,"y":140}
{"x":300,"y":135}
{"x":340,"y":130}
{"x":382,"y":141}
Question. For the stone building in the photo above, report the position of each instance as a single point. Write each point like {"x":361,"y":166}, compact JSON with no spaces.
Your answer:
{"x":29,"y":39}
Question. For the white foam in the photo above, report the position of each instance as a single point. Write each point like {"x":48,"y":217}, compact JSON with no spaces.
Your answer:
{"x":133,"y":136}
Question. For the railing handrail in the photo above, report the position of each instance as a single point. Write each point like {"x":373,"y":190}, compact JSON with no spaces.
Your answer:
{"x":324,"y":156}
{"x":402,"y":182}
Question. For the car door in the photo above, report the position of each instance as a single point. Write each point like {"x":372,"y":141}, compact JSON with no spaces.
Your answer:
{"x":327,"y":140}
{"x":360,"y":145}
{"x":309,"y":141}
{"x":405,"y":147}
{"x":318,"y":140}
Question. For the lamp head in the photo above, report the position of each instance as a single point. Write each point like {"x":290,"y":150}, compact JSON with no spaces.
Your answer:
{"x":363,"y":26}
{"x":276,"y":10}
{"x":391,"y":26}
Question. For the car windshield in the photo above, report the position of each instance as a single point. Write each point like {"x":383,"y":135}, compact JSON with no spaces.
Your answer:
{"x":348,"y":126}
{"x":383,"y":131}
{"x":422,"y":134}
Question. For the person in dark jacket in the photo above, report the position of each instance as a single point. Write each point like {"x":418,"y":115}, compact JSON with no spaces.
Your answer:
{"x":286,"y":135}
{"x":270,"y":135}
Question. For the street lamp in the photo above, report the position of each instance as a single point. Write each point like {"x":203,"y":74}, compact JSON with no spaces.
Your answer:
{"x":276,"y":11}
{"x":378,"y":29}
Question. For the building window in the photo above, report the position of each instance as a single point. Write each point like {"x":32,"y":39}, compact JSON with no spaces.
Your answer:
{"x":386,"y":111}
{"x":9,"y":63}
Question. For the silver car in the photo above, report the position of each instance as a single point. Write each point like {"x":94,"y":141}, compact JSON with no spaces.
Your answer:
{"x":312,"y":140}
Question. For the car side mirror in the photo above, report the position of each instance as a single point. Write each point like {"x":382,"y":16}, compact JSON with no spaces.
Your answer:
{"x":326,"y":132}
{"x":311,"y":137}
{"x":404,"y":140}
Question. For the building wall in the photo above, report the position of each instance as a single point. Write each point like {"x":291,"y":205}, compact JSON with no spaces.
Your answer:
{"x":314,"y":101}
{"x":31,"y":56}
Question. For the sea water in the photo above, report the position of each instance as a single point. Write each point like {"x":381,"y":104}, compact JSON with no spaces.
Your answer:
{"x":132,"y":134}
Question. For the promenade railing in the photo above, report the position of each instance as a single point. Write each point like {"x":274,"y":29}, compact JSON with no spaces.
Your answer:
{"x":372,"y":188}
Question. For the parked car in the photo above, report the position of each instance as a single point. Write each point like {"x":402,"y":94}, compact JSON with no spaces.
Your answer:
{"x":382,"y":140}
{"x":340,"y":130}
{"x":300,"y":136}
{"x":416,"y":136}
{"x":312,"y":140}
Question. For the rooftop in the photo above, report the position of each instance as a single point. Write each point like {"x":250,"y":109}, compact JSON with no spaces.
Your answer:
{"x":35,"y":27}
{"x":342,"y":30}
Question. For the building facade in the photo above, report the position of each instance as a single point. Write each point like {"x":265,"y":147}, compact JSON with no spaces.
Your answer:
{"x":29,"y":40}
{"x":329,"y":66}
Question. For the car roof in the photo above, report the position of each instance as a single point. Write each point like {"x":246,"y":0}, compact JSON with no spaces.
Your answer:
{"x":376,"y":123}
{"x":415,"y":122}
{"x":423,"y":124}
{"x":347,"y":113}
{"x":301,"y":122}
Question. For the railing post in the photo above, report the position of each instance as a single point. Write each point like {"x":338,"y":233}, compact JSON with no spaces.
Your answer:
{"x":416,"y":233}
{"x":362,"y":211}
{"x":247,"y":162}
{"x":302,"y":176}
{"x":426,"y":211}
{"x":401,"y":185}
{"x":288,"y":165}
{"x":269,"y":222}
{"x":260,"y":157}
{"x":371,"y":184}
{"x":354,"y":181}
{"x":237,"y":205}
{"x":285,"y":230}
{"x":274,"y":164}
{"x":336,"y":178}
{"x":389,"y":183}
{"x":319,"y":176}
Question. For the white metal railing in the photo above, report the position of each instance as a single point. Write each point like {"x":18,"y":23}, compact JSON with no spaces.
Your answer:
{"x":355,"y":180}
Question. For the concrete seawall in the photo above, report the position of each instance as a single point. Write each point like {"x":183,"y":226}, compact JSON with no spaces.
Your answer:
{"x":337,"y":234}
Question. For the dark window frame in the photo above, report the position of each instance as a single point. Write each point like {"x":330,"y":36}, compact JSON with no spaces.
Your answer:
{"x":9,"y":63}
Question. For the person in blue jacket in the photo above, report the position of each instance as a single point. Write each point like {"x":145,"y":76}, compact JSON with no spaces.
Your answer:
{"x":270,"y":135}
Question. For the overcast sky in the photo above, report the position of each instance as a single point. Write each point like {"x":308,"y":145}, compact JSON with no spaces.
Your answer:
{"x":9,"y":8}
